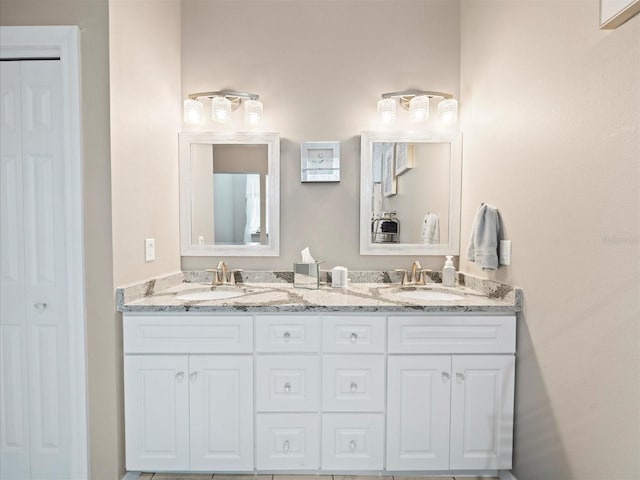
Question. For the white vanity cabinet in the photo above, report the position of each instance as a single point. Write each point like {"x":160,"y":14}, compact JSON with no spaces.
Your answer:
{"x":334,"y":392}
{"x":451,"y":406}
{"x":185,"y":410}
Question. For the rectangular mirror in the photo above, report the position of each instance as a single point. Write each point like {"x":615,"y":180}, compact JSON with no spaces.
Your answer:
{"x":229,"y":194}
{"x":410,"y":193}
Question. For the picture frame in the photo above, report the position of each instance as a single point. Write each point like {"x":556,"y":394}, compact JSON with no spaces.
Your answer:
{"x":389,"y":182}
{"x":614,"y":13}
{"x":320,"y":162}
{"x":404,"y":157}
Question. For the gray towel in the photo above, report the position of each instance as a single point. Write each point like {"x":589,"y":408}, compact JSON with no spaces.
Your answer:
{"x":483,"y":244}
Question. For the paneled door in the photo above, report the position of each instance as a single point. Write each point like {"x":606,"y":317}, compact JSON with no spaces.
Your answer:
{"x":35,"y":440}
{"x":221,"y":413}
{"x":482,"y":393}
{"x":418,"y":395}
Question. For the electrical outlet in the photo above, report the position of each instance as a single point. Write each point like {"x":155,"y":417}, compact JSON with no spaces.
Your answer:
{"x":149,"y":249}
{"x":505,"y":252}
{"x":200,"y":240}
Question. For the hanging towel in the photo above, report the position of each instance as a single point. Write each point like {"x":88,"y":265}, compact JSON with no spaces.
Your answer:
{"x":483,"y":244}
{"x":430,"y":229}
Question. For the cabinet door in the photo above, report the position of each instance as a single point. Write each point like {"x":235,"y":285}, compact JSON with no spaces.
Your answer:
{"x":482,"y":411}
{"x":156,"y":408}
{"x":221,"y":419}
{"x":418,"y":394}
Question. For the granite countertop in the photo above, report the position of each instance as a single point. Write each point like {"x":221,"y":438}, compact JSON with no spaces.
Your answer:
{"x":274,"y":292}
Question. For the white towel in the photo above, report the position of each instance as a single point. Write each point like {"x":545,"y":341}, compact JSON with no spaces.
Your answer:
{"x":430,"y":229}
{"x":483,"y":244}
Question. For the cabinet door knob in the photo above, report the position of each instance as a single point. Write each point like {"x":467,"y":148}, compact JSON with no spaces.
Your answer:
{"x":285,"y":446}
{"x":287,"y":387}
{"x":354,"y":387}
{"x":287,"y":336}
{"x":40,"y":307}
{"x":459,"y":377}
{"x":446,"y":377}
{"x":352,"y":445}
{"x":193,"y":376}
{"x":354,"y":337}
{"x":180,"y":376}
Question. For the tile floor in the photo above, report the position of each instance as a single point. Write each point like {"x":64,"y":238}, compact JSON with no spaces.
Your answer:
{"x":164,"y":476}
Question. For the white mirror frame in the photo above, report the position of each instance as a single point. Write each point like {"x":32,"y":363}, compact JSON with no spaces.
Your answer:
{"x":272,"y":140}
{"x":366,"y":180}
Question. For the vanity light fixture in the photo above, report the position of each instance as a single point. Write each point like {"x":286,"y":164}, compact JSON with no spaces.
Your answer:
{"x":222,"y":104}
{"x":417,"y":102}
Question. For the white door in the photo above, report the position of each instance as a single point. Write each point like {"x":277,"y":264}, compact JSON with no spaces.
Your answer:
{"x":156,"y":412}
{"x":482,"y":395}
{"x":221,"y":413}
{"x":418,"y":394}
{"x":35,"y":440}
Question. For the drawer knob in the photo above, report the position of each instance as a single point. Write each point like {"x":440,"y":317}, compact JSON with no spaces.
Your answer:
{"x":285,"y":446}
{"x":287,"y":336}
{"x":354,"y":337}
{"x":40,"y":307}
{"x":445,"y":376}
{"x":354,"y":387}
{"x":352,"y":445}
{"x":193,"y":376}
{"x":287,"y":387}
{"x":459,"y":377}
{"x":180,"y":376}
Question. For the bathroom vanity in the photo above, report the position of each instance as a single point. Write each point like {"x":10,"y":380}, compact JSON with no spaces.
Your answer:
{"x":283,"y":380}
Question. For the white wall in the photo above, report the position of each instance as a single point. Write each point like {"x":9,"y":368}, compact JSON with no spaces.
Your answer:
{"x":319,"y":67}
{"x":146,"y":112}
{"x":550,"y":111}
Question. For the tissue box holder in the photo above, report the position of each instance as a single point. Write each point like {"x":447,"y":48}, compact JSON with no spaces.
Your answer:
{"x":306,"y":275}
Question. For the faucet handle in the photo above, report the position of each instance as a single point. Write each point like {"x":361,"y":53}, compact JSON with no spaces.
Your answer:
{"x":232,"y":275}
{"x":423,"y":275}
{"x":404,"y":272}
{"x":214,"y":279}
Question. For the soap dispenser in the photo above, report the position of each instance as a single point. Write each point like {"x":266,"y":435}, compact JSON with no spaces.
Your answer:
{"x":449,"y":273}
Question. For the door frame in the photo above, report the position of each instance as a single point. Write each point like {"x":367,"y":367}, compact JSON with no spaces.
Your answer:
{"x":64,"y":42}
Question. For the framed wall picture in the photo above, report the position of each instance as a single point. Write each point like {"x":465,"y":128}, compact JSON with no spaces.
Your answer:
{"x":320,"y":162}
{"x":614,"y":13}
{"x":388,"y":173}
{"x":404,"y":157}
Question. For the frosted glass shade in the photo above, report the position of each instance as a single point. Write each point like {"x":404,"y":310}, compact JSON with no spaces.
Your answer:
{"x":387,"y":111}
{"x":252,"y":112}
{"x":419,"y":108}
{"x":220,"y":109}
{"x":193,"y":112}
{"x":448,"y":110}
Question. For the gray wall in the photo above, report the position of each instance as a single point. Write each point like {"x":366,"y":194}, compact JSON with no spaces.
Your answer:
{"x":319,"y":68}
{"x":551,"y":119}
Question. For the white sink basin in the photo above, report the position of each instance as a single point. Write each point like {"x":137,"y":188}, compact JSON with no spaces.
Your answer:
{"x":429,"y":295}
{"x":210,"y":295}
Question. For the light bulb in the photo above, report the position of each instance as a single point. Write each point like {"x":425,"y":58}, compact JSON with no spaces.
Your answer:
{"x":193,"y":112}
{"x":448,"y":110}
{"x":220,"y":109}
{"x":387,"y":110}
{"x":252,"y":112}
{"x":419,"y":108}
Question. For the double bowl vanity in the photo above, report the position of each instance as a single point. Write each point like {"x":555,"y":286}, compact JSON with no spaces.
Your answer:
{"x":371,"y":378}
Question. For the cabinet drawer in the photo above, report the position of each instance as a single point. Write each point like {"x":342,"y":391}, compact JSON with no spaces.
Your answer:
{"x":343,"y":334}
{"x":287,"y":334}
{"x":187,"y":334}
{"x":288,"y":383}
{"x":352,"y":442}
{"x":353,"y":383}
{"x":454,"y":334}
{"x":288,"y":441}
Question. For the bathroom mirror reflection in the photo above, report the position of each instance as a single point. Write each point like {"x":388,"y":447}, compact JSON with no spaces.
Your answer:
{"x":229,"y":194}
{"x":410,"y":193}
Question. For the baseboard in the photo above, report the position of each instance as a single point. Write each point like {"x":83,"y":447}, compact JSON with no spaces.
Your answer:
{"x":506,"y":475}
